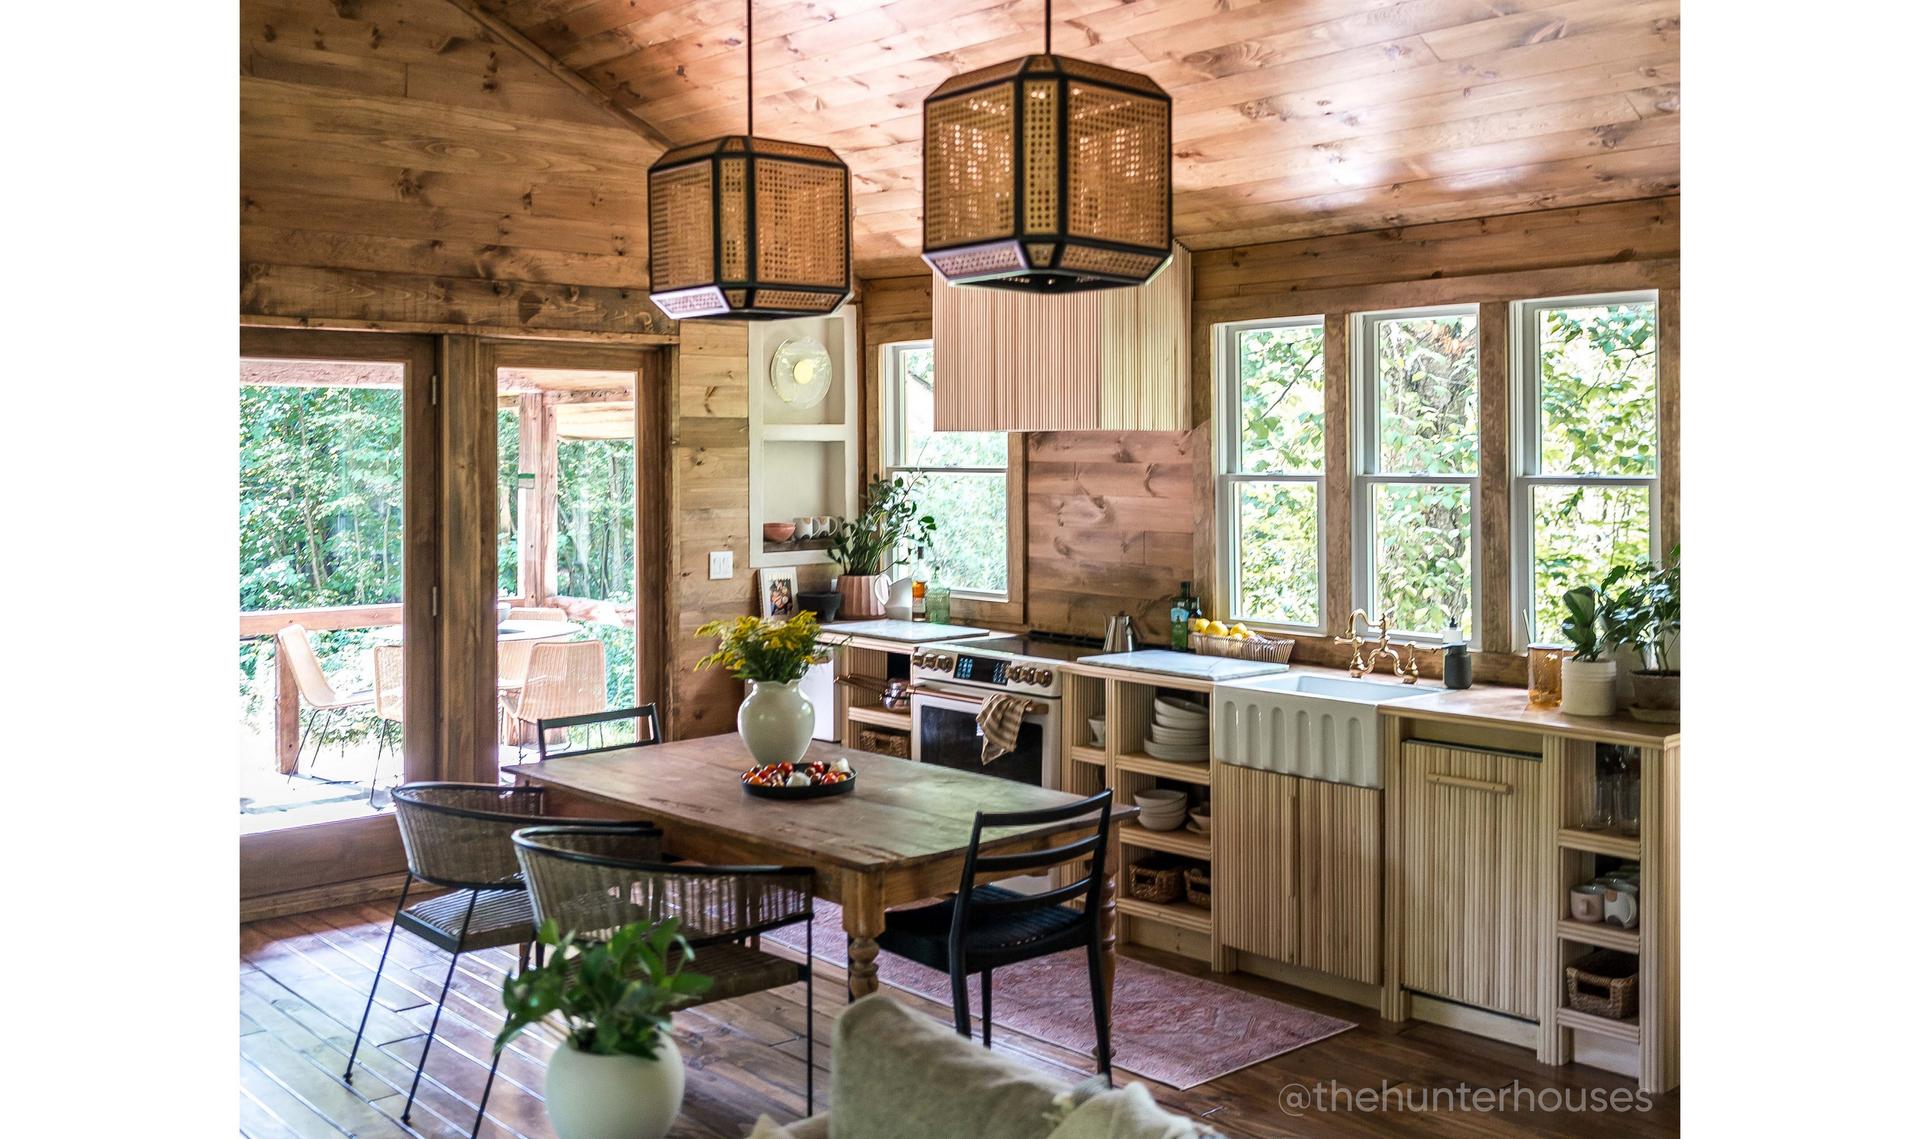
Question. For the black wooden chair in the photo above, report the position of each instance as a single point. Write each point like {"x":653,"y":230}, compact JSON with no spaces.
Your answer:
{"x":460,"y":836}
{"x":593,"y":880}
{"x":646,"y":730}
{"x":983,"y":928}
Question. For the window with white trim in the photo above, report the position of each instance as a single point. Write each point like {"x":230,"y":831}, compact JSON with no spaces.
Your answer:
{"x":962,"y":474}
{"x":1271,"y":462}
{"x":1586,"y":447}
{"x":1416,"y":419}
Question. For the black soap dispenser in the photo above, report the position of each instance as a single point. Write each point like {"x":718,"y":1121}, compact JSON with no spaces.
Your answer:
{"x":1456,"y":666}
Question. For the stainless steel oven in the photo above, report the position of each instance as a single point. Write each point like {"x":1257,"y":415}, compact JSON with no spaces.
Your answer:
{"x":946,"y":732}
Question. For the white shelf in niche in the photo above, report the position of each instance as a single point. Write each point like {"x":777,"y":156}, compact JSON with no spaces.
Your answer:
{"x":802,"y":461}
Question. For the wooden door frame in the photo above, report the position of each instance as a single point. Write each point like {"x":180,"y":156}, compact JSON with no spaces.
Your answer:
{"x":321,"y":857}
{"x":651,"y":368}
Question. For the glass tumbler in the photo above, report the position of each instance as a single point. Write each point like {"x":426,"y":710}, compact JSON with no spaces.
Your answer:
{"x":1543,"y":675}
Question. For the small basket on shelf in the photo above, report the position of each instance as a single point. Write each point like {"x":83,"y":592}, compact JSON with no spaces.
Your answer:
{"x":1200,"y":887}
{"x":1268,"y":650}
{"x":1605,"y":983}
{"x":1157,"y":878}
{"x":882,"y":742}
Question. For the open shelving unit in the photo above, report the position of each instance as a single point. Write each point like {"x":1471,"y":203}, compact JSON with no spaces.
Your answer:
{"x":804,"y":462}
{"x":1120,"y":761}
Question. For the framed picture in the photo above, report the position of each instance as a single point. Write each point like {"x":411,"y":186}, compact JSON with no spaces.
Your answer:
{"x":779,"y":593}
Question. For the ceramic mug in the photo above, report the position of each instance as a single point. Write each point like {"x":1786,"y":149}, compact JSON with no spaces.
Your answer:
{"x":1622,"y":904}
{"x":803,"y":527}
{"x":1588,"y":902}
{"x":823,"y":526}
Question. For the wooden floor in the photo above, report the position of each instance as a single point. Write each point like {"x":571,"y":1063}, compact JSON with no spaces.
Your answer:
{"x":303,"y":982}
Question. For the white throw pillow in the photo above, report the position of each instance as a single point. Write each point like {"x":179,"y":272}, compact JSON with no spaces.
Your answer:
{"x":766,"y":1128}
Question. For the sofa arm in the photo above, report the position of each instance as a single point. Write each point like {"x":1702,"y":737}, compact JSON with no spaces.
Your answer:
{"x":898,"y":1073}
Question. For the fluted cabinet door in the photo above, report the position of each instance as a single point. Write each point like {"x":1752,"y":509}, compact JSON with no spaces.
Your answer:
{"x":1340,"y":878}
{"x":1470,"y":876}
{"x":1255,"y":903}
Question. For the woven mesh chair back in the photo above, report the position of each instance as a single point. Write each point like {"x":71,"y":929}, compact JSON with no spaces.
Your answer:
{"x":389,"y":667}
{"x":296,"y":653}
{"x":536,"y":613}
{"x":564,"y":678}
{"x":461,"y":834}
{"x":593,"y":882}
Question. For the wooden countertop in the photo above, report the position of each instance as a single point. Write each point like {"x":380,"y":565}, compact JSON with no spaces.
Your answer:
{"x":1492,"y":704}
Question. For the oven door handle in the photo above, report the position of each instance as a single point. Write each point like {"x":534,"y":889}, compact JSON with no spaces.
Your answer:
{"x":1036,"y":706}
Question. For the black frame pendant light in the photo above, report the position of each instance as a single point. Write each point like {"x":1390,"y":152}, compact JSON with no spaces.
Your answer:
{"x":746,"y":228}
{"x":1047,"y":174}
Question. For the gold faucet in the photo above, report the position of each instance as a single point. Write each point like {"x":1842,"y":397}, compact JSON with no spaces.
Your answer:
{"x":1407,"y":669}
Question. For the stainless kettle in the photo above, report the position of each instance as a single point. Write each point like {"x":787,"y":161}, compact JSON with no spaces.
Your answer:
{"x":1119,"y":634}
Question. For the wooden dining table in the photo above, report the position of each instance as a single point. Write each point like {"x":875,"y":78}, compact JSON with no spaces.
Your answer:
{"x":899,"y":836}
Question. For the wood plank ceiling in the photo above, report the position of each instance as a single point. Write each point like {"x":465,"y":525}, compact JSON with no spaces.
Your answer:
{"x":1292,"y":118}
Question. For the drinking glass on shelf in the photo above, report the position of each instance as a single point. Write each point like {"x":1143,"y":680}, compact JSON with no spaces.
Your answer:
{"x":1543,"y":675}
{"x":1626,"y":802}
{"x":1597,"y":797}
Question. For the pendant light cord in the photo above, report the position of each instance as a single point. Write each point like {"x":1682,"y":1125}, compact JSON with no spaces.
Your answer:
{"x":750,"y":64}
{"x":1049,"y":19}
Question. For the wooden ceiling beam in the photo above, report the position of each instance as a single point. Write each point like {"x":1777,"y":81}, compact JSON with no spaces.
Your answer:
{"x":544,"y":60}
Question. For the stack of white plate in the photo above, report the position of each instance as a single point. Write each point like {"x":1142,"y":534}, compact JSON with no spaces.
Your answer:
{"x":1161,"y":810}
{"x":1179,"y":730}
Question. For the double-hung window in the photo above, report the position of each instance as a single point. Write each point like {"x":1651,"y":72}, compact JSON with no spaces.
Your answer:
{"x":1416,"y":419}
{"x":1272,"y":470}
{"x":960,"y":476}
{"x":1586,"y":447}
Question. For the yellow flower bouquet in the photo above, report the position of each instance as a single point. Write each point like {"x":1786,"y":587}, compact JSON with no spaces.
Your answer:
{"x":759,"y":650}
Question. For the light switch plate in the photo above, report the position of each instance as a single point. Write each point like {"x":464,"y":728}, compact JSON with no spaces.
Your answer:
{"x":719,"y":565}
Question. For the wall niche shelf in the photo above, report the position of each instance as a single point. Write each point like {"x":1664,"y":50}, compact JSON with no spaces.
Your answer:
{"x":803,"y":461}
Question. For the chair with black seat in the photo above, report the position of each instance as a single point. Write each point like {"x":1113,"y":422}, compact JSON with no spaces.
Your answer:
{"x":646,"y":730}
{"x":460,"y":836}
{"x":982,"y":928}
{"x":593,"y":880}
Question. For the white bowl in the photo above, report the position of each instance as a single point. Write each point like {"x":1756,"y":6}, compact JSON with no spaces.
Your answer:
{"x":1159,"y":796}
{"x":1177,"y":753}
{"x":1097,"y":728}
{"x":1177,"y":706}
{"x":1160,"y":733}
{"x":1164,"y":822}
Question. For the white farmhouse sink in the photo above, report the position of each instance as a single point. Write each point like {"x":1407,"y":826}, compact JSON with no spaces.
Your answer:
{"x":1320,"y":727}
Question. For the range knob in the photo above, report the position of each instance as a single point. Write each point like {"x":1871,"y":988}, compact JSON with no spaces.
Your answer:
{"x":1022,"y":673}
{"x":943,"y":663}
{"x":919,"y":660}
{"x":1046,"y":676}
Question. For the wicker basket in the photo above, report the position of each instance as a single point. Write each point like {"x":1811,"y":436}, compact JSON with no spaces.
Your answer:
{"x":1605,"y":983}
{"x":1157,"y":879}
{"x":1271,"y":650}
{"x":883,"y":742}
{"x":1200,"y":887}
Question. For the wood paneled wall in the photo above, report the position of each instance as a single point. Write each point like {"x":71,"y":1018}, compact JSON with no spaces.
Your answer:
{"x":401,"y":166}
{"x":1115,"y":520}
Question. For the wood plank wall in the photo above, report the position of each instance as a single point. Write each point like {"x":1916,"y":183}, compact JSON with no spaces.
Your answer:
{"x":1107,"y":512}
{"x":402,"y":167}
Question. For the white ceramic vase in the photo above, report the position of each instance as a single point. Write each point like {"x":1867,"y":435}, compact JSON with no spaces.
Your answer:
{"x":614,"y":1097}
{"x":776,"y":720}
{"x":1587,"y":687}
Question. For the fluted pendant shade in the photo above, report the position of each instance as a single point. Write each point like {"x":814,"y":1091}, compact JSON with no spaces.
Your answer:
{"x":1048,"y":174}
{"x":748,"y":228}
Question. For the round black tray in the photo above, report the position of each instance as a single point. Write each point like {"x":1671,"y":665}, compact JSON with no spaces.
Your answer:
{"x":811,"y":791}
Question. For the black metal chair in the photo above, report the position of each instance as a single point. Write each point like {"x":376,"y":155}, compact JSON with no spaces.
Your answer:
{"x":460,"y":836}
{"x":646,"y":730}
{"x":592,"y":880}
{"x":983,"y":928}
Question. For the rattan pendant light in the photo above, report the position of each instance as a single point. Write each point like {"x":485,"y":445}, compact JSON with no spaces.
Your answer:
{"x":1048,"y":174}
{"x":746,"y":228}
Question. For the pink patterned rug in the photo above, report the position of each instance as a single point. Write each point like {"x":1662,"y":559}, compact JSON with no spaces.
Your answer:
{"x":1168,"y":1027}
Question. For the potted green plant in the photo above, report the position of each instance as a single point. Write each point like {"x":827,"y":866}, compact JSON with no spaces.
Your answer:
{"x":776,"y":718}
{"x":618,"y":1074}
{"x":1645,"y":614}
{"x":1587,"y":677}
{"x":871,"y":543}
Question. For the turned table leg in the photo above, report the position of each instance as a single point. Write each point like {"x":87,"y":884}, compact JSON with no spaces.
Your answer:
{"x":863,"y":916}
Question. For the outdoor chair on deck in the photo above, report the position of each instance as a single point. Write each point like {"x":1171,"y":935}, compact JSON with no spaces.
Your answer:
{"x":564,"y":678}
{"x":594,"y":880}
{"x":389,"y":673}
{"x":646,"y":730}
{"x":536,"y":613}
{"x":460,"y":836}
{"x":295,"y":652}
{"x":982,"y":928}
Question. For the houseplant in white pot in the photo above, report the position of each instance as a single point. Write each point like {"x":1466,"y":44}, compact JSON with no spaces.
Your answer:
{"x":618,"y":1074}
{"x":872,"y":541}
{"x":776,"y":718}
{"x":1586,"y":677}
{"x":1645,"y":614}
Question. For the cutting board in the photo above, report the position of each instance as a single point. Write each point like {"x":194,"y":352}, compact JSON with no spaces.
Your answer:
{"x":906,"y":632}
{"x":1190,"y":666}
